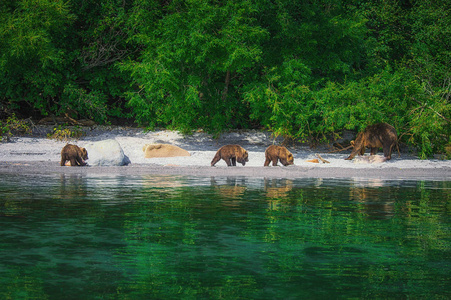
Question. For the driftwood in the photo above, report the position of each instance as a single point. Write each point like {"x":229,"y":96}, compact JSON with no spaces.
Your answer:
{"x":322,"y":159}
{"x":343,"y":149}
{"x":352,"y":145}
{"x":65,"y":120}
{"x":315,"y":161}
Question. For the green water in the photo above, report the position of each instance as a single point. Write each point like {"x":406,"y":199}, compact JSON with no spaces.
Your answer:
{"x":145,"y":237}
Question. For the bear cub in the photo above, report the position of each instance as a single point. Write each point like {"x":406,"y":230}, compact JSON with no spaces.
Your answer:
{"x":231,"y":154}
{"x":275,"y":153}
{"x":380,"y":135}
{"x":75,"y":155}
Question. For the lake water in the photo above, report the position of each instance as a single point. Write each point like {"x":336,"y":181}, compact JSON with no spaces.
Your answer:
{"x":147,"y":237}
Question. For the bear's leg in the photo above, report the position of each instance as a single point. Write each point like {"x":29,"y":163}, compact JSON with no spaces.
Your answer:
{"x":215,"y":160}
{"x":234,"y":161}
{"x":373,"y":150}
{"x":267,"y":161}
{"x":73,"y":162}
{"x":274,"y":162}
{"x":362,"y":150}
{"x":80,"y":161}
{"x":387,"y":151}
{"x":63,"y":162}
{"x":351,"y":156}
{"x":227,"y":160}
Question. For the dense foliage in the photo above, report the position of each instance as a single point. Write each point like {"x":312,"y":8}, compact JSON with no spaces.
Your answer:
{"x":302,"y":69}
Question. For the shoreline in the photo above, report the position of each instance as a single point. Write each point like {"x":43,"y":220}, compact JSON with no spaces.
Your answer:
{"x":42,"y":168}
{"x":40,"y":156}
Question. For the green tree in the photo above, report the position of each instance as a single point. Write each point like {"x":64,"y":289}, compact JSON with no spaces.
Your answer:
{"x":32,"y":60}
{"x":304,"y":69}
{"x":100,"y":41}
{"x":195,"y":59}
{"x":58,"y":56}
{"x":431,"y":58}
{"x":311,"y":44}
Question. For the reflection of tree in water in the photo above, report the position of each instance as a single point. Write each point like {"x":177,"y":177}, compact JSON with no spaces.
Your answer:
{"x":74,"y":194}
{"x":232,"y":188}
{"x":277,"y":188}
{"x":72,"y":186}
{"x":168,"y":181}
{"x":221,"y":239}
{"x":376,"y":200}
{"x":276,"y":191}
{"x":26,"y":196}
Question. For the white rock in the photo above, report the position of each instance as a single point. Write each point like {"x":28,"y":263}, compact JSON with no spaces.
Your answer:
{"x":106,"y":153}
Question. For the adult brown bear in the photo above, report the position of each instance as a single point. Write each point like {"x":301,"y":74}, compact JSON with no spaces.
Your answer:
{"x":381,"y":135}
{"x":274,"y":153}
{"x":74,"y":154}
{"x":231,"y":154}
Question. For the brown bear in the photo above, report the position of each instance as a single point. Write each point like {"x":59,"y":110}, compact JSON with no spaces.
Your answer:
{"x":274,"y":153}
{"x":74,"y":154}
{"x":231,"y":154}
{"x":381,"y":135}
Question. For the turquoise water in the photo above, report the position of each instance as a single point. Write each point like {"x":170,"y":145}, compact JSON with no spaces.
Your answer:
{"x":150,"y":237}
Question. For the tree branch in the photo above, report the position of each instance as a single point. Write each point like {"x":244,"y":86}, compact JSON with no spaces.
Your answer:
{"x":436,"y":112}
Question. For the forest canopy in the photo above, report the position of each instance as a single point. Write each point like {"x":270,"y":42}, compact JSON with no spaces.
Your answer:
{"x":305,"y":70}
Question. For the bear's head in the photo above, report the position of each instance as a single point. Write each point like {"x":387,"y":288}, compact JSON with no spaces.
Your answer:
{"x":286,"y":158}
{"x":84,"y":153}
{"x":243,"y":158}
{"x":290,"y":159}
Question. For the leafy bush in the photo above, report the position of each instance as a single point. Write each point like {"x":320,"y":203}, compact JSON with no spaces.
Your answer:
{"x":306,"y":70}
{"x":13,"y":126}
{"x":61,"y":133}
{"x":286,"y":106}
{"x":281,"y":101}
{"x":395,"y":97}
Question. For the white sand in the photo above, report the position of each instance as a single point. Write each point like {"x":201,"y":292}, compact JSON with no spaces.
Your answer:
{"x":202,"y":147}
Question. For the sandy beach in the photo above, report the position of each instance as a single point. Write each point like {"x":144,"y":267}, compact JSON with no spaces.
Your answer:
{"x":41,"y":155}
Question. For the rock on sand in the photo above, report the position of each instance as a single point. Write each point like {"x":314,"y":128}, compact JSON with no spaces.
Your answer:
{"x":106,"y":153}
{"x":163,"y":150}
